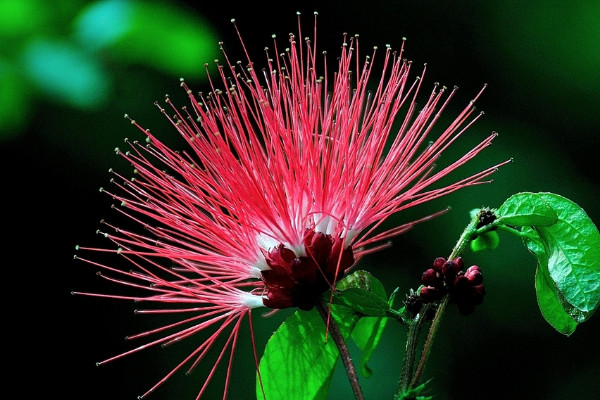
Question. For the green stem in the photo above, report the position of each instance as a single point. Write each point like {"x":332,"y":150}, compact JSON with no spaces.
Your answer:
{"x":464,"y":238}
{"x":412,"y":341}
{"x":339,"y":341}
{"x":429,"y":342}
{"x":514,"y":231}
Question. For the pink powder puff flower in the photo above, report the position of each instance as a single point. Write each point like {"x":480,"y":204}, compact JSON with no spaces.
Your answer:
{"x":284,"y":180}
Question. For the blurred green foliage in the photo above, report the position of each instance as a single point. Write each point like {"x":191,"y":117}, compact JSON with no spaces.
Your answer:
{"x":71,"y":52}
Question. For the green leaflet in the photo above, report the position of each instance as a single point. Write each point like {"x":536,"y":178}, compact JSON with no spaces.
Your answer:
{"x":365,"y":294}
{"x":362,"y":280}
{"x":44,"y":62}
{"x":414,"y":394}
{"x":366,"y":335}
{"x":362,"y":292}
{"x":369,"y":329}
{"x":487,"y":240}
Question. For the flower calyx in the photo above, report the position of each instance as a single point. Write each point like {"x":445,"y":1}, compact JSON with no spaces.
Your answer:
{"x":298,"y":281}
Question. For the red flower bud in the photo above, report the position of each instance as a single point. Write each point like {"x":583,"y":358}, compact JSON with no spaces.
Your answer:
{"x":459,"y":262}
{"x":474,"y":275}
{"x":429,"y":294}
{"x":450,"y":269}
{"x":438,"y":263}
{"x":473,"y":268}
{"x":460,"y":282}
{"x":477,"y":294}
{"x":429,"y":277}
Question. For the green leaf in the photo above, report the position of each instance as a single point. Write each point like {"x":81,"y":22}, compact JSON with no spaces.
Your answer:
{"x":550,"y":305}
{"x":362,"y":301}
{"x":362,"y":292}
{"x":567,"y":245}
{"x":366,"y":335}
{"x":572,"y":246}
{"x":526,"y":209}
{"x":362,"y":280}
{"x":487,"y":240}
{"x":555,"y":309}
{"x":414,"y":393}
{"x":298,"y":362}
{"x":365,"y":294}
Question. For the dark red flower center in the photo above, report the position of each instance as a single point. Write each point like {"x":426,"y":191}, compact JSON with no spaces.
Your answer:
{"x":296,"y":281}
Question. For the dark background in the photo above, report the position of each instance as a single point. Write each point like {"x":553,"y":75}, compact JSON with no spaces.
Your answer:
{"x":541,"y":60}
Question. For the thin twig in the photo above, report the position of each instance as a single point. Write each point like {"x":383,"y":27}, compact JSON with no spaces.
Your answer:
{"x":428,"y":342}
{"x":339,"y":341}
{"x":411,"y":348}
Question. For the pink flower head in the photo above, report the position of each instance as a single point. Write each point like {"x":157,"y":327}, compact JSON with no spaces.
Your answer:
{"x":287,"y":172}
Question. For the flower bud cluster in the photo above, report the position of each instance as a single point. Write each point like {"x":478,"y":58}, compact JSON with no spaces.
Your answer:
{"x":413,"y":303}
{"x":486,"y":217}
{"x":465,"y":288}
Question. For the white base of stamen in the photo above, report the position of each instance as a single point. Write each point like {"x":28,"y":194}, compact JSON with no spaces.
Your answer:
{"x":251,"y":300}
{"x":266,"y":241}
{"x":299,"y":251}
{"x":255,"y":272}
{"x":350,"y":235}
{"x":326,"y":224}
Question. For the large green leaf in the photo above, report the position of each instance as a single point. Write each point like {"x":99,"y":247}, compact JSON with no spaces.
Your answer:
{"x":365,"y":294}
{"x":364,"y":302}
{"x":551,"y":307}
{"x":567,"y":245}
{"x":526,"y":209}
{"x":367,"y":335}
{"x":299,"y":361}
{"x":572,"y":245}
